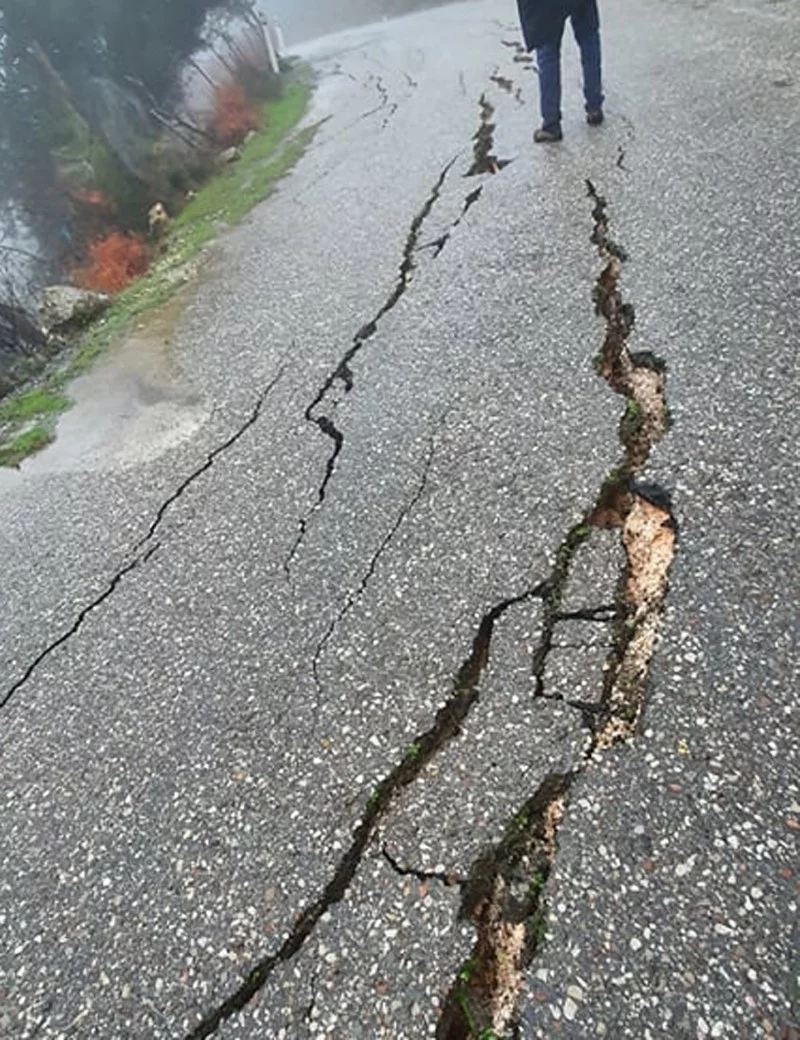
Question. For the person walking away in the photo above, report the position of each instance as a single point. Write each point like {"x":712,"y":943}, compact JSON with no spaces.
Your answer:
{"x":543,"y":24}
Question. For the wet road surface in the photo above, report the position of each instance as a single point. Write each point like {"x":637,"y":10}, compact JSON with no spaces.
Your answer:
{"x":276,"y":695}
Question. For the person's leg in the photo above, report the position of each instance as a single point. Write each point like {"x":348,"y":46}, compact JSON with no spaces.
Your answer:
{"x":548,"y":59}
{"x":586,"y":27}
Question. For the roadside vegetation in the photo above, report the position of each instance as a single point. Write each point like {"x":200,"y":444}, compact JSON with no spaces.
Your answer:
{"x":141,"y":171}
{"x":221,"y":203}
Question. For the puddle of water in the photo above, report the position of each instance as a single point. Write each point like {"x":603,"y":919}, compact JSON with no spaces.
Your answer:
{"x":131,"y":408}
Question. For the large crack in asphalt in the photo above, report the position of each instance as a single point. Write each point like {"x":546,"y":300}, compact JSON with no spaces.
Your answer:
{"x":445,"y":727}
{"x":505,"y":896}
{"x":466,"y":688}
{"x":147,"y":545}
{"x":530,"y":845}
{"x":483,"y":158}
{"x":341,"y":379}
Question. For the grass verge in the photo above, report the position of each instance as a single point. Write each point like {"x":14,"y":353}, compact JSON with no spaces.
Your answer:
{"x":222,"y":202}
{"x":37,"y":402}
{"x":24,"y":444}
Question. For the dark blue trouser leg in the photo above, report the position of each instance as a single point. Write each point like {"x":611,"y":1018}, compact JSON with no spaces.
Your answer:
{"x":587,"y":36}
{"x":548,"y":58}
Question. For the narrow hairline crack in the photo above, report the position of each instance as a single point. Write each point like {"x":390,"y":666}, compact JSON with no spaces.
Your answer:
{"x":212,"y":456}
{"x":446,"y":879}
{"x":602,"y":614}
{"x":355,"y":595}
{"x":76,"y":625}
{"x":141,"y":553}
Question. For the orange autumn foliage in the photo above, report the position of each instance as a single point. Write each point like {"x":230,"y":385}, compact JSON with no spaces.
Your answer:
{"x":114,"y":262}
{"x":233,"y":117}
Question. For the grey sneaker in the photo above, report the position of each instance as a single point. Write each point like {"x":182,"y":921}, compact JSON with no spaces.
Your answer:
{"x":595,"y":117}
{"x":547,"y":136}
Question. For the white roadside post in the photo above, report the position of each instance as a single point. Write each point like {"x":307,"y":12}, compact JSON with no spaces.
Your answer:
{"x":280,"y":40}
{"x":268,"y":37}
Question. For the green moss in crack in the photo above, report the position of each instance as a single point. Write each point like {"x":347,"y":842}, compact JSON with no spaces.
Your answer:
{"x":537,"y":883}
{"x":536,"y":928}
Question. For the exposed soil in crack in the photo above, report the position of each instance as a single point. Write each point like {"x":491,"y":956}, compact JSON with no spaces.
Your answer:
{"x":340,"y":381}
{"x":501,"y":898}
{"x":144,"y":549}
{"x":508,"y":916}
{"x":445,"y":727}
{"x":484,"y":160}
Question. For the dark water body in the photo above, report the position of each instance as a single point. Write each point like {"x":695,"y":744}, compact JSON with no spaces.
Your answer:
{"x":305,"y":19}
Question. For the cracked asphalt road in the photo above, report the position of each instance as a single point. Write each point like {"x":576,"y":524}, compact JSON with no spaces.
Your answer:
{"x":204,"y":709}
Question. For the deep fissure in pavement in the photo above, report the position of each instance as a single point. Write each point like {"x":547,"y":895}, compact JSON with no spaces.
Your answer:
{"x":503,"y":895}
{"x":502,"y":900}
{"x":483,"y":158}
{"x":505,"y":898}
{"x":341,"y":378}
{"x":143,"y":550}
{"x":446,"y":726}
